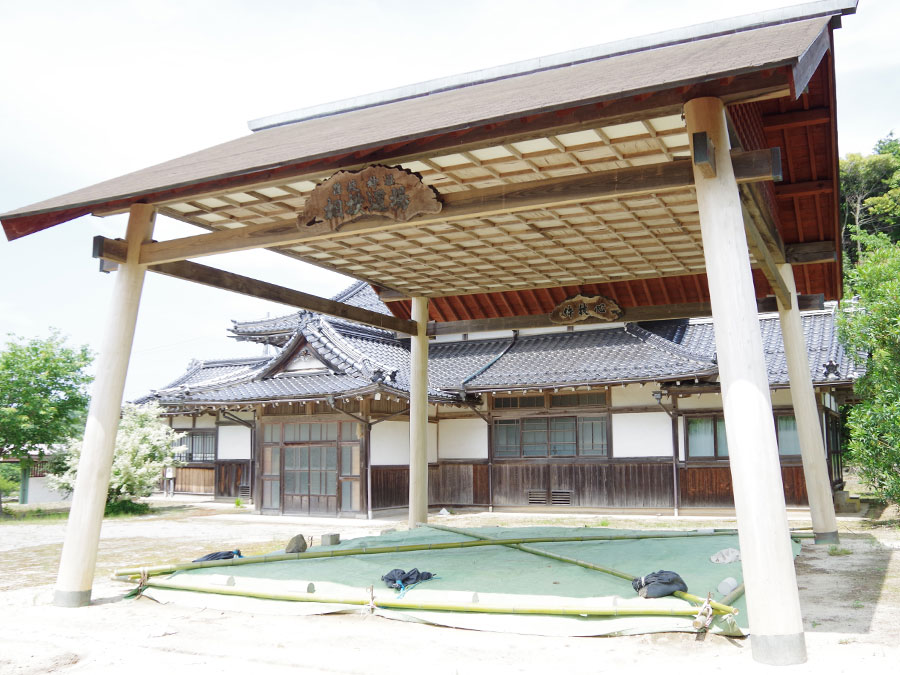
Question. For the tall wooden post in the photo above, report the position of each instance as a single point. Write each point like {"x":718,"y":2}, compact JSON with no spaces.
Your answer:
{"x":806,"y":413}
{"x":773,"y":602}
{"x":418,"y":416}
{"x":79,"y":554}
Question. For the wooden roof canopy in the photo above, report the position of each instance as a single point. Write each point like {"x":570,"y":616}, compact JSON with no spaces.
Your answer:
{"x":570,"y":174}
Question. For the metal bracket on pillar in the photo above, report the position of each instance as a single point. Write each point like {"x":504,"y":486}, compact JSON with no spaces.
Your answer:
{"x":704,"y":154}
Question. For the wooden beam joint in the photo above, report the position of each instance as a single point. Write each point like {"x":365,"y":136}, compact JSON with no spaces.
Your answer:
{"x":114,"y":251}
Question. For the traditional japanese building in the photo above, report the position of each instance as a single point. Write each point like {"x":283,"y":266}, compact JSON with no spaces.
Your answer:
{"x":691,"y":172}
{"x":623,"y":416}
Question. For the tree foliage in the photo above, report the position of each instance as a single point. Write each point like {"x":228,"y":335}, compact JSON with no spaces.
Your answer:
{"x":870,"y":194}
{"x":144,"y":446}
{"x":43,"y":394}
{"x":870,"y":325}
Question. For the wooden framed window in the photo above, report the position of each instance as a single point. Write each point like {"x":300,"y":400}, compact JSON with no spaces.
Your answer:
{"x":705,"y":437}
{"x":788,"y":440}
{"x":553,"y":437}
{"x":196,"y":446}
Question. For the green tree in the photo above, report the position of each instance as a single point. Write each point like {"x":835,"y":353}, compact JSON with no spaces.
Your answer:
{"x":864,"y":179}
{"x":144,"y":446}
{"x":870,"y":325}
{"x":10,"y":480}
{"x":43,"y":394}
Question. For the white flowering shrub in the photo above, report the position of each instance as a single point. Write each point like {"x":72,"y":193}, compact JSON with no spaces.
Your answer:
{"x":144,"y":446}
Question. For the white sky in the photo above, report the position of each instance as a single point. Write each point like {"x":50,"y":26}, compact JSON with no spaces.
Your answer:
{"x":90,"y":90}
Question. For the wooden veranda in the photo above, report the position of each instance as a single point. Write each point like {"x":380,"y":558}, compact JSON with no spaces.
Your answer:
{"x":690,"y":173}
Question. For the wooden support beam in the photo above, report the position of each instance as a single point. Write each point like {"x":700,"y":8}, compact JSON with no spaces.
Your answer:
{"x":633,"y":314}
{"x":752,"y":166}
{"x":797,"y":118}
{"x":756,"y":207}
{"x":811,"y":252}
{"x":704,"y":153}
{"x":807,"y":189}
{"x":760,"y":249}
{"x":113,"y":250}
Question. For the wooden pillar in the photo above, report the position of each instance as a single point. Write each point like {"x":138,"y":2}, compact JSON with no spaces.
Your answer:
{"x":79,"y":554}
{"x":773,"y":602}
{"x":806,"y":413}
{"x":418,"y":416}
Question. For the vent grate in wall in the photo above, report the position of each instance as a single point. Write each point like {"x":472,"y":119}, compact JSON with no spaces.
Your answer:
{"x":536,"y":496}
{"x":561,"y":497}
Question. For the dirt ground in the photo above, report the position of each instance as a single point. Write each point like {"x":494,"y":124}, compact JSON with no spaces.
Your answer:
{"x":850,"y":603}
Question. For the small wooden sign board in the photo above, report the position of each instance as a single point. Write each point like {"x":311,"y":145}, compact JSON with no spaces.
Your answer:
{"x":581,"y":308}
{"x":383,"y":191}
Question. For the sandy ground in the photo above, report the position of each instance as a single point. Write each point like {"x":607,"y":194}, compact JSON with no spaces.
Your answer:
{"x":851,"y":608}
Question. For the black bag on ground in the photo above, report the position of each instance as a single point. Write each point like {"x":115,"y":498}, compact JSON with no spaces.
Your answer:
{"x":658,"y":584}
{"x":220,"y":555}
{"x":400,"y":579}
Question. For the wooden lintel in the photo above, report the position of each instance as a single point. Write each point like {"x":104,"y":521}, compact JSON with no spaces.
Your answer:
{"x":113,"y":250}
{"x":797,"y":118}
{"x":632,"y":314}
{"x":811,"y":252}
{"x":749,"y":167}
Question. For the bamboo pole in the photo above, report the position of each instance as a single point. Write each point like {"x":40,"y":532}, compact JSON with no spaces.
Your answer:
{"x":137,"y":572}
{"x":515,"y":606}
{"x":717,"y":606}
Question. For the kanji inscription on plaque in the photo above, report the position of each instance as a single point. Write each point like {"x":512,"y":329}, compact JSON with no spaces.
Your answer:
{"x":384,"y":191}
{"x":580,"y":308}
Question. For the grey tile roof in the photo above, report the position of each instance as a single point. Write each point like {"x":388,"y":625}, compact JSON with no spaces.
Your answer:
{"x":819,"y":329}
{"x":361,"y":358}
{"x":597,"y":356}
{"x":278,"y":330}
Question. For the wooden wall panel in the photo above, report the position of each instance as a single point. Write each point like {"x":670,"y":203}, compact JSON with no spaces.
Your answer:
{"x":230,"y":476}
{"x":512,"y":481}
{"x":481,"y":487}
{"x":710,"y":486}
{"x":196,"y":480}
{"x":390,"y":486}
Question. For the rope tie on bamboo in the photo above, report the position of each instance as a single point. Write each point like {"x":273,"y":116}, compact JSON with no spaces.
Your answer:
{"x":370,"y":607}
{"x":704,"y":615}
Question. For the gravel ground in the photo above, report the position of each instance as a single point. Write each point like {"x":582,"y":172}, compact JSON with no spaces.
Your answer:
{"x":850,"y":602}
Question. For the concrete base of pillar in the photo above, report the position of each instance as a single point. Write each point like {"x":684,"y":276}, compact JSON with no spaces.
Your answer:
{"x":827,"y":538}
{"x":778,"y":650}
{"x":72,"y":598}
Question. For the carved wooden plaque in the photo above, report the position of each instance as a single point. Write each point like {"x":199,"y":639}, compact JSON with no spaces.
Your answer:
{"x":383,"y":191}
{"x":579,"y":308}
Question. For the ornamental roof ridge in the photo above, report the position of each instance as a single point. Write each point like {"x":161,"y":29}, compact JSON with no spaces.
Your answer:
{"x":321,"y":334}
{"x":660,"y":342}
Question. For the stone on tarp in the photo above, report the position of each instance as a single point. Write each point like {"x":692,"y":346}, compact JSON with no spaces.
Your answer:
{"x":296,"y":545}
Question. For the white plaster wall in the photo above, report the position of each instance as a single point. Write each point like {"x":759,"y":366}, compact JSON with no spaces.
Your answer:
{"x":182,"y":422}
{"x":681,"y":453}
{"x":206,"y":422}
{"x":701,"y":402}
{"x":782,"y":397}
{"x":234,"y":442}
{"x":642,"y":435}
{"x":390,"y":443}
{"x":633,"y":394}
{"x":463,"y":439}
{"x":40,"y":493}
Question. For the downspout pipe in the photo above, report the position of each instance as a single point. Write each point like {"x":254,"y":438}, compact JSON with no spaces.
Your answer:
{"x":675,"y":496}
{"x":462,"y":386}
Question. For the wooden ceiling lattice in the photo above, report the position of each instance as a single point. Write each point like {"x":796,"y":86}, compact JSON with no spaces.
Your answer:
{"x":600,"y":241}
{"x":602,"y":148}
